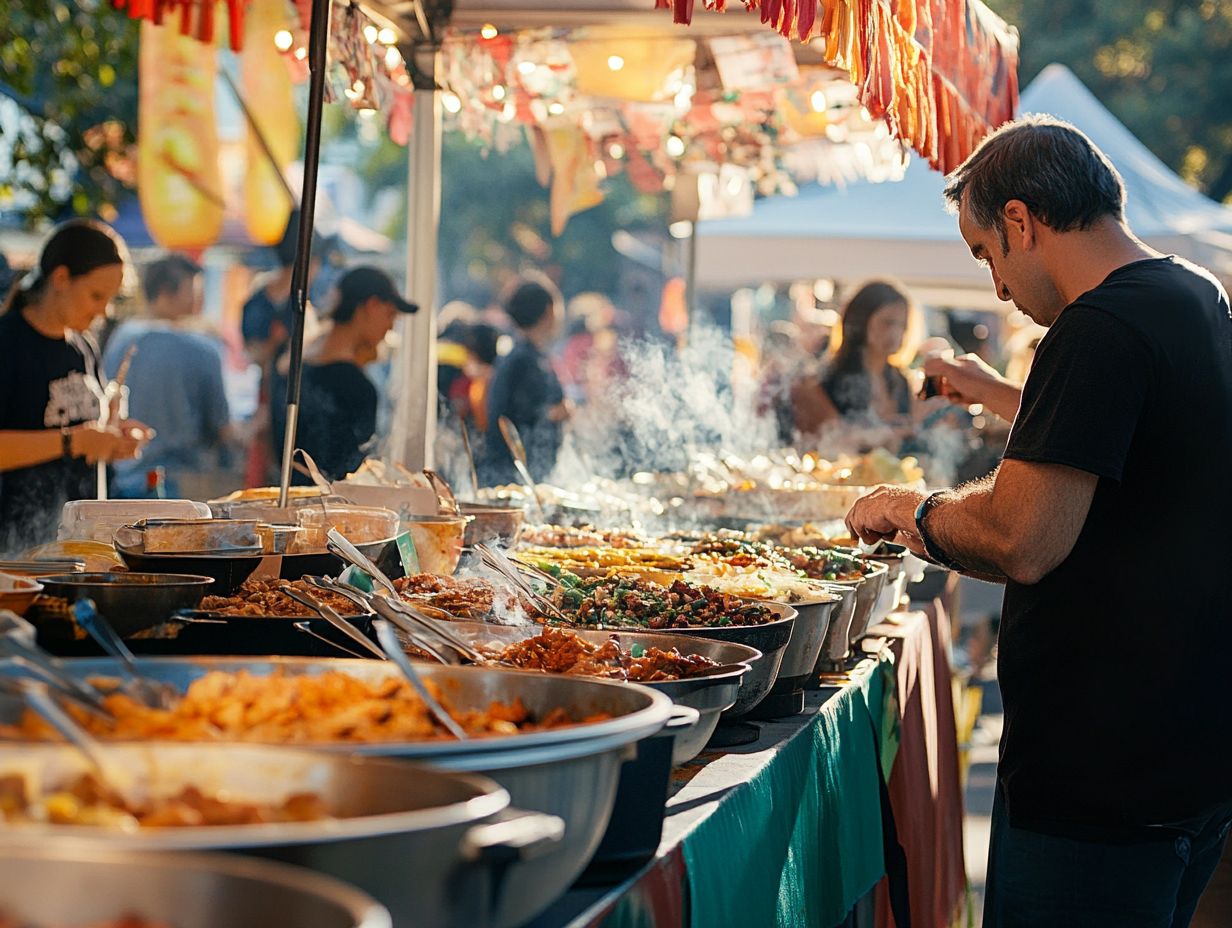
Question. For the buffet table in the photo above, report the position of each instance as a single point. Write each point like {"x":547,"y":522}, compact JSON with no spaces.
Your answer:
{"x":789,"y":830}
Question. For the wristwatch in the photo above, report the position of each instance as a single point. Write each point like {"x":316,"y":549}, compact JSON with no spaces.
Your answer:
{"x":66,"y":443}
{"x":930,"y":547}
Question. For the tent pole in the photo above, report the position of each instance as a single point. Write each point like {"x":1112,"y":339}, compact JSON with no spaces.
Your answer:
{"x":318,"y":43}
{"x":414,"y":428}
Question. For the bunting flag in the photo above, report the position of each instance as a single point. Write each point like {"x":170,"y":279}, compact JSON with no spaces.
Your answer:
{"x":942,"y":74}
{"x":195,"y":18}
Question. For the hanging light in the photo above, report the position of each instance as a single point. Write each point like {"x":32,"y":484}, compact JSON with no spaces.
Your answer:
{"x":674,"y":146}
{"x":451,"y":101}
{"x":393,"y":57}
{"x":387,"y":36}
{"x":488,"y":31}
{"x":283,"y":40}
{"x":615,"y":62}
{"x":617,"y":151}
{"x":817,"y":100}
{"x":526,"y":67}
{"x":556,"y":108}
{"x":498,"y":92}
{"x":301,"y":53}
{"x":370,"y":33}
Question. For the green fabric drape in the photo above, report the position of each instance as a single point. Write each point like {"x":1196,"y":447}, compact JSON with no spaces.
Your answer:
{"x":802,"y":841}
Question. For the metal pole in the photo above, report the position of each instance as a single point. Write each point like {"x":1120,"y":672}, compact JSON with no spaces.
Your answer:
{"x":318,"y":43}
{"x":413,"y":432}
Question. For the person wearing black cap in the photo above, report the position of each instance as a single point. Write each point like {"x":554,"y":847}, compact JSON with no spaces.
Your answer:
{"x":338,"y":403}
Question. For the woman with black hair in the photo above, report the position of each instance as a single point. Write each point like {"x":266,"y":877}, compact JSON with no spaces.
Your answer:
{"x":51,"y":384}
{"x":861,"y":385}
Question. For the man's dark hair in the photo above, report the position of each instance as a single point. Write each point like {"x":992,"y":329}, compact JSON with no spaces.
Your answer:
{"x":482,"y":341}
{"x":1064,"y":179}
{"x":167,"y":274}
{"x":530,"y":302}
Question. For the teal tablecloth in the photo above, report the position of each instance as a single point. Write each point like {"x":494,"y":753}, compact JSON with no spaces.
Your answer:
{"x":801,"y":841}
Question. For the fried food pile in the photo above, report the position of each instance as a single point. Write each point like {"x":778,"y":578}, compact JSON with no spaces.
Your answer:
{"x":89,"y":801}
{"x":283,"y":708}
{"x":557,"y":650}
{"x":265,"y":598}
{"x":471,"y":598}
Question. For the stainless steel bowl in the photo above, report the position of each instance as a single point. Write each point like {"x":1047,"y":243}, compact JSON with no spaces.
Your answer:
{"x":808,"y":634}
{"x":710,"y":694}
{"x":568,"y":772}
{"x":771,"y":639}
{"x":835,"y":647}
{"x":439,"y":827}
{"x":132,"y":602}
{"x":71,"y":884}
{"x":868,"y":591}
{"x":895,"y":558}
{"x":492,"y":524}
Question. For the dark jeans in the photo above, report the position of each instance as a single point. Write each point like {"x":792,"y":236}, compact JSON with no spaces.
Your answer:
{"x":1038,"y":880}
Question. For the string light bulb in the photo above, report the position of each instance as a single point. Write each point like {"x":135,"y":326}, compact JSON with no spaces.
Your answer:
{"x":370,"y":33}
{"x":674,"y":146}
{"x":817,"y":100}
{"x":488,"y":31}
{"x":615,"y":62}
{"x":393,"y":57}
{"x":387,"y":36}
{"x":451,"y":101}
{"x":283,"y":40}
{"x":498,"y":92}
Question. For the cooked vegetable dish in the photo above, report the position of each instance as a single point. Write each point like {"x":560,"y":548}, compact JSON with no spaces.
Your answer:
{"x":266,"y":598}
{"x":623,"y":601}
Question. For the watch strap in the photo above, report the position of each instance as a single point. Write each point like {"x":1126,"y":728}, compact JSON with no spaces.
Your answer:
{"x":931,"y":548}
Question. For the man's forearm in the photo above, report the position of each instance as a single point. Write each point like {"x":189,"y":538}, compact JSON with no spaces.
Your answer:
{"x":1004,"y":397}
{"x":961,"y":526}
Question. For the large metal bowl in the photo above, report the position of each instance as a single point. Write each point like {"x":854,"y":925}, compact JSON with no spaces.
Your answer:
{"x":437,"y":826}
{"x":808,"y":633}
{"x":132,"y":601}
{"x":568,"y":772}
{"x":835,"y":648}
{"x":895,"y":559}
{"x":492,"y":523}
{"x":868,"y":592}
{"x":710,"y":695}
{"x":230,"y":571}
{"x":771,"y":639}
{"x":73,"y":884}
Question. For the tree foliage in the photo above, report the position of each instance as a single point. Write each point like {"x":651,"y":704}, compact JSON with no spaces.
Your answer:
{"x":72,"y":67}
{"x":1163,"y":67}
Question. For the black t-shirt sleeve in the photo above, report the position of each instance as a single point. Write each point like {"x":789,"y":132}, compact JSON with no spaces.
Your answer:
{"x":1083,"y":399}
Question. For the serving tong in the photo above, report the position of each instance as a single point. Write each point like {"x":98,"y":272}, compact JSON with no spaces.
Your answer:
{"x":515,"y":572}
{"x":17,"y":643}
{"x":152,"y":693}
{"x":330,"y":615}
{"x":517,"y":450}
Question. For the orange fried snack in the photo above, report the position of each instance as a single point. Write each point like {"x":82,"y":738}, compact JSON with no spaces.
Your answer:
{"x":291,"y":709}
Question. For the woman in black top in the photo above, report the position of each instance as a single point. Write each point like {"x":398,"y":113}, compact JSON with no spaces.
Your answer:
{"x":50,"y":386}
{"x":860,"y":384}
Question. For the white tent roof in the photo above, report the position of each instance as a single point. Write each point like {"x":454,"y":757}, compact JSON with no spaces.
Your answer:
{"x":902,"y":229}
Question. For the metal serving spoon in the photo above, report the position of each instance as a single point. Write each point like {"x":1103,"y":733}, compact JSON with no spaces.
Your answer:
{"x":337,"y":543}
{"x":152,"y":693}
{"x":393,"y":650}
{"x":517,"y":450}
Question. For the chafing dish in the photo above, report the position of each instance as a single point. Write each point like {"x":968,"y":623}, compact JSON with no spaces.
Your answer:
{"x":568,"y":772}
{"x":431,"y":846}
{"x":71,"y":884}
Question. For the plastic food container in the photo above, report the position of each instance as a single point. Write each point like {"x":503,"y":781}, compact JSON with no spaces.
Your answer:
{"x":438,"y":541}
{"x":360,"y":524}
{"x":98,"y":520}
{"x":17,"y":592}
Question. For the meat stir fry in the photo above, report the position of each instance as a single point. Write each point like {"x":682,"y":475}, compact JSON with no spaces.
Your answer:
{"x":265,"y":598}
{"x":563,"y":536}
{"x":630,"y":601}
{"x":555,"y":650}
{"x":282,"y":708}
{"x":470,"y":598}
{"x":89,"y":801}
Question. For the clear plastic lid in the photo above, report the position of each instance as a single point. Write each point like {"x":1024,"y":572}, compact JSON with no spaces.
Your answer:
{"x":360,"y":524}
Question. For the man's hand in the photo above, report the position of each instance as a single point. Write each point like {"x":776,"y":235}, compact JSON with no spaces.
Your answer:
{"x":883,"y":513}
{"x":967,"y":380}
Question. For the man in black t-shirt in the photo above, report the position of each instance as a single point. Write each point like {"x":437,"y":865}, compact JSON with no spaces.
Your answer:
{"x":1107,"y":523}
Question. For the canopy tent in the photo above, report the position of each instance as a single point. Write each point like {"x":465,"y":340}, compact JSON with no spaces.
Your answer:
{"x":902,"y":229}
